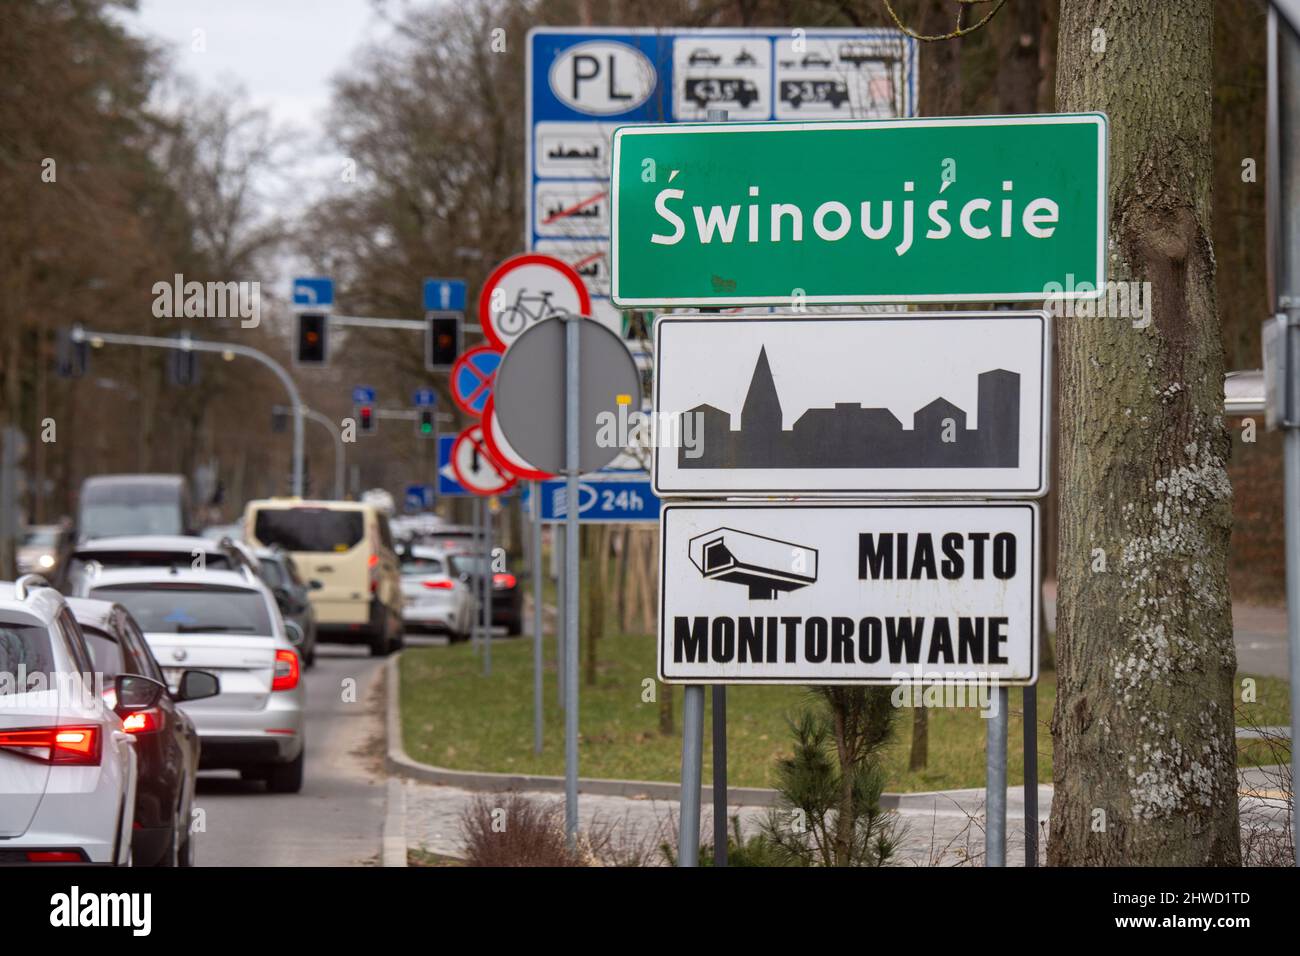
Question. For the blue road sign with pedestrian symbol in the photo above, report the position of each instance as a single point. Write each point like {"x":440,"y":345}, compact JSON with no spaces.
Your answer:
{"x":363,"y":395}
{"x":313,"y":291}
{"x":424,"y":398}
{"x":615,"y":500}
{"x":444,"y":295}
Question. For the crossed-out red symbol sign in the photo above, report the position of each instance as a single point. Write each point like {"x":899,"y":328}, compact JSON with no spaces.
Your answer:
{"x":472,"y":376}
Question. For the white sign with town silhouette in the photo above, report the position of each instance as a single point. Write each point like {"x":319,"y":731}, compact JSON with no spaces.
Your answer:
{"x":933,"y":404}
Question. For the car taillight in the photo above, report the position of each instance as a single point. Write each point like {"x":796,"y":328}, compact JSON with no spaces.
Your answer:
{"x":286,"y":671}
{"x":60,"y":745}
{"x":55,"y":856}
{"x":440,"y":584}
{"x":373,"y":565}
{"x":143,"y":721}
{"x":503,"y":580}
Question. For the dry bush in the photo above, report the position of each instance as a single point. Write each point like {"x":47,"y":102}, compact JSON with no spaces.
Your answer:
{"x":1267,"y":838}
{"x":512,"y":830}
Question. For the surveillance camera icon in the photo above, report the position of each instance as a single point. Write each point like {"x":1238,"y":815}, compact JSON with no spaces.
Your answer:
{"x":767,"y":566}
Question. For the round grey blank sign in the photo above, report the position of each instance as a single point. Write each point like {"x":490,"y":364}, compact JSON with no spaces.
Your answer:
{"x":528,"y":394}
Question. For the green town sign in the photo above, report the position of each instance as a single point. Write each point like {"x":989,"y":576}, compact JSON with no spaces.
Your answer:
{"x":975,"y":209}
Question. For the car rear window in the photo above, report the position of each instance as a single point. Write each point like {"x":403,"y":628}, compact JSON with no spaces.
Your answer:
{"x":105,"y":653}
{"x":423,"y":566}
{"x":212,"y":560}
{"x":24,"y":649}
{"x":309,"y":529}
{"x":191,"y":609}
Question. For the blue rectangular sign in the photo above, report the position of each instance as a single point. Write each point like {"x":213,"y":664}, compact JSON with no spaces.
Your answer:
{"x":447,"y":483}
{"x":424,"y":398}
{"x":419,"y":497}
{"x":444,"y":295}
{"x":363,"y":395}
{"x":583,"y":83}
{"x":313,"y":291}
{"x":612,"y":500}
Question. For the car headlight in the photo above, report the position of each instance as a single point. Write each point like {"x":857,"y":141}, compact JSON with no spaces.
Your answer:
{"x":46,"y":561}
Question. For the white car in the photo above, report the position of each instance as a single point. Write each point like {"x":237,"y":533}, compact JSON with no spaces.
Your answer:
{"x":432,"y":598}
{"x":152,"y":551}
{"x":227,"y":623}
{"x":68,"y":769}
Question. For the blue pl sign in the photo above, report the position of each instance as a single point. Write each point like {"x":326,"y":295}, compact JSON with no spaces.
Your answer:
{"x":313,"y":291}
{"x":613,"y":500}
{"x":444,"y":295}
{"x":363,"y":395}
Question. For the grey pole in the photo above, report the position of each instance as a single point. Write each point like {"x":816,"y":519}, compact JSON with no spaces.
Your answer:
{"x":1283,"y":198}
{"x":561,"y":615}
{"x":476,"y":582}
{"x":337,"y":435}
{"x":688,"y":838}
{"x":156,"y":342}
{"x":571,"y":461}
{"x":1031,"y":774}
{"x":488,"y":573}
{"x":719,"y":774}
{"x":536,"y":509}
{"x":995,"y":804}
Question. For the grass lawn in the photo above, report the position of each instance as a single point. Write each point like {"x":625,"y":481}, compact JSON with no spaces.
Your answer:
{"x":454,"y":717}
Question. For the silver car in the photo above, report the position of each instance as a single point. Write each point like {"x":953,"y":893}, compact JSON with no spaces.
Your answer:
{"x":432,"y":598}
{"x":225,"y":622}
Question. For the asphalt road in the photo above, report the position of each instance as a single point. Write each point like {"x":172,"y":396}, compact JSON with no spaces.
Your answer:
{"x":337,"y":818}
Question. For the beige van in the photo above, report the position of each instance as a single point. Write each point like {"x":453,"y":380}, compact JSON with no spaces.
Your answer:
{"x":345,"y":551}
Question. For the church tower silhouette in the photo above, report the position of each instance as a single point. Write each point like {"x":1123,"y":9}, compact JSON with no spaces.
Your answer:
{"x":761,"y":413}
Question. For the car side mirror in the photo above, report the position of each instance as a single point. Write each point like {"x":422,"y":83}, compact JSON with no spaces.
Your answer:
{"x":197,"y":685}
{"x":293,"y":631}
{"x":136,"y":692}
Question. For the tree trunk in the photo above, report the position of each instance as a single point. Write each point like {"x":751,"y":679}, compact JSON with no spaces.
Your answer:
{"x":1145,"y":760}
{"x":920,"y":754}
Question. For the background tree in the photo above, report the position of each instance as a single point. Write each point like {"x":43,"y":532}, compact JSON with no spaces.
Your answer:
{"x":1145,"y":760}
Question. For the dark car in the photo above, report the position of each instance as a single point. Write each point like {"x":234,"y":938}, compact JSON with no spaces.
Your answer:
{"x":507,"y":595}
{"x":166,"y":741}
{"x":280,"y":572}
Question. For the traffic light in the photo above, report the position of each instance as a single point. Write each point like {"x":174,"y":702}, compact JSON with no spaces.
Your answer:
{"x":442,"y":338}
{"x":183,"y":367}
{"x":313,"y":348}
{"x":71,"y":357}
{"x":366,"y":419}
{"x":424,"y":424}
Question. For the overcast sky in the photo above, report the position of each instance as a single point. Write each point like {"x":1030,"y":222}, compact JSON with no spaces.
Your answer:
{"x":283,"y":52}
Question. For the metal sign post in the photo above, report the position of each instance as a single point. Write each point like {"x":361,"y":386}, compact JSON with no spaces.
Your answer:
{"x":561,"y":610}
{"x":1030,"y":736}
{"x":487,"y":587}
{"x":572,"y":452}
{"x":995,"y":825}
{"x":537,"y":618}
{"x":475,"y":581}
{"x":1283,"y":164}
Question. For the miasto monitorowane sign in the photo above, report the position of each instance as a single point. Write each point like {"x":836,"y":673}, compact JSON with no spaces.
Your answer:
{"x":973,"y":209}
{"x":843,"y":593}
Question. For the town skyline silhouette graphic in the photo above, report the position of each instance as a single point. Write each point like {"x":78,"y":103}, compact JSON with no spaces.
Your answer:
{"x":851,"y":435}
